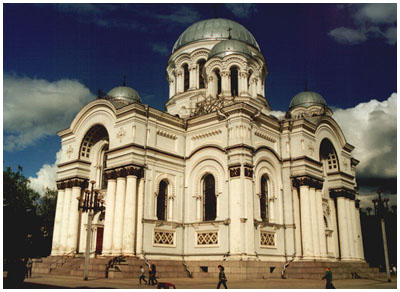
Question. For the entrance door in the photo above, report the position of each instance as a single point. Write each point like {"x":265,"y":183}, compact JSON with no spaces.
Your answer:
{"x":99,"y":240}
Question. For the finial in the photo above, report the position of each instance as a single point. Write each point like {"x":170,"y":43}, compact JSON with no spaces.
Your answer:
{"x":215,"y":10}
{"x":306,"y":85}
{"x":100,"y":93}
{"x":124,"y":81}
{"x":229,"y":31}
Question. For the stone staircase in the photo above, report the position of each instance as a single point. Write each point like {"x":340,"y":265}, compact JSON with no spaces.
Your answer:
{"x":203,"y":269}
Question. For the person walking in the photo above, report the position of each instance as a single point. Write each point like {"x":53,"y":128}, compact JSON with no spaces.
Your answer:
{"x":152,"y":275}
{"x":29,"y":265}
{"x":328,"y":277}
{"x":142,"y":276}
{"x":222,"y":277}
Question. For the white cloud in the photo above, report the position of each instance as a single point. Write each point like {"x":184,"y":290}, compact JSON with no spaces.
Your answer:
{"x":36,"y":108}
{"x":46,"y":177}
{"x":372,"y":128}
{"x":242,"y":10}
{"x":377,"y":13}
{"x":346,"y":35}
{"x":160,"y":48}
{"x":371,"y":21}
{"x":278,"y":114}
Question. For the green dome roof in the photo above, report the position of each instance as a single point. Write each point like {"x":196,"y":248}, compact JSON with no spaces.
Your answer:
{"x":307,"y":99}
{"x":229,"y":47}
{"x":215,"y":29}
{"x":124,"y":94}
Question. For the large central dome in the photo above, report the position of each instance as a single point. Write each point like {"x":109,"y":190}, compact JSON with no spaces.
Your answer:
{"x":215,"y":29}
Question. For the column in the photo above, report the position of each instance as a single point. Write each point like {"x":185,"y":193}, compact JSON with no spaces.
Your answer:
{"x":192,"y":76}
{"x":334,"y":221}
{"x":109,"y":215}
{"x":210,"y":86}
{"x":321,"y":224}
{"x":119,"y":212}
{"x":360,"y":240}
{"x":354,"y":228}
{"x":306,"y":227}
{"x":271,"y":209}
{"x":225,"y":84}
{"x":343,"y":232}
{"x":244,"y":86}
{"x":170,"y":207}
{"x":139,"y":224}
{"x":235,"y":210}
{"x":58,"y":220}
{"x":179,"y":81}
{"x":314,"y":222}
{"x":248,"y":201}
{"x":296,"y":207}
{"x":65,"y":220}
{"x":350,"y":229}
{"x":73,"y":226}
{"x":172,"y":87}
{"x":253,"y":87}
{"x":259,"y":86}
{"x":129,"y":216}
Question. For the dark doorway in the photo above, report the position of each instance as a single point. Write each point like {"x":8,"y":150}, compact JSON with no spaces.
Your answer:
{"x":99,"y":240}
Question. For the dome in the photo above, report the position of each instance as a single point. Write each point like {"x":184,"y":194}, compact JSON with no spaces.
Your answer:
{"x":215,"y":29}
{"x":307,"y":99}
{"x":228,"y":47}
{"x":124,"y":94}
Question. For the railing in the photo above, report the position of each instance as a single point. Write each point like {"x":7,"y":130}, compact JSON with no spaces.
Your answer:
{"x":187,"y":269}
{"x":62,"y":259}
{"x":114,"y":262}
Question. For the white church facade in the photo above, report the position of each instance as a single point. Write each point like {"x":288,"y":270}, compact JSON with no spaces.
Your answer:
{"x":215,"y":176}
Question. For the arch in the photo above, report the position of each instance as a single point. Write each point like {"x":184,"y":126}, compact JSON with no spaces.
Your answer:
{"x":328,"y":128}
{"x":234,"y":73}
{"x":235,"y":60}
{"x":328,"y":156}
{"x":95,"y":134}
{"x":209,"y":197}
{"x":169,"y":179}
{"x":162,"y":199}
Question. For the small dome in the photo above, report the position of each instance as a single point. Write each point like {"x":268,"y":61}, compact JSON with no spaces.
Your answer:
{"x":124,"y":94}
{"x":307,"y":99}
{"x":215,"y":29}
{"x":229,"y":47}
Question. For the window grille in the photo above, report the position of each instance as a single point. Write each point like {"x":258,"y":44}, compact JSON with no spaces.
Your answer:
{"x":267,"y":238}
{"x":332,"y":161}
{"x":164,"y":238}
{"x":207,"y":238}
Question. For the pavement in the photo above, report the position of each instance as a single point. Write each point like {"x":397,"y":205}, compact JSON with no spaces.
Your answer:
{"x":40,"y":281}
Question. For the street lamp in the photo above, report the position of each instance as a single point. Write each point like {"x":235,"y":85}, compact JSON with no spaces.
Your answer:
{"x":92,"y":203}
{"x":381,"y":210}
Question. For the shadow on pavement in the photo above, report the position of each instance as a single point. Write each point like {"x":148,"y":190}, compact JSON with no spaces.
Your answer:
{"x":27,"y":285}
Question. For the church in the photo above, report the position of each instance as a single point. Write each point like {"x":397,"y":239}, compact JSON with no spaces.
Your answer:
{"x":215,"y":177}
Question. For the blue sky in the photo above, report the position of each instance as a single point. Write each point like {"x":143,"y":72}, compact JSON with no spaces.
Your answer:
{"x":56,"y":57}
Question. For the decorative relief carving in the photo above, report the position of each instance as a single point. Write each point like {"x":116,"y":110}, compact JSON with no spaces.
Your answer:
{"x":167,"y":135}
{"x":72,"y":182}
{"x":124,"y":171}
{"x":207,"y":238}
{"x":164,"y":238}
{"x":264,"y":136}
{"x":70,"y":150}
{"x":121,"y":134}
{"x":311,"y":148}
{"x":341,"y":192}
{"x":234,"y":171}
{"x":267,"y":238}
{"x":248,"y":171}
{"x":207,"y":134}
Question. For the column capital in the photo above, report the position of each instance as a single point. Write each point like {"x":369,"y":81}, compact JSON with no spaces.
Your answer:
{"x":248,"y":171}
{"x":307,"y":181}
{"x":342,"y":192}
{"x":72,"y":182}
{"x":234,"y":171}
{"x":225,"y":73}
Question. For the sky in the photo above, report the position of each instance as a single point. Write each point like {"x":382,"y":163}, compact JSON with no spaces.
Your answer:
{"x":57,"y":56}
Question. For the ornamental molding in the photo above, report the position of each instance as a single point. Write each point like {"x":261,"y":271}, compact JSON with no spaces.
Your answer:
{"x":234,"y":171}
{"x":166,"y":134}
{"x":124,"y":171}
{"x":264,"y":136}
{"x":342,"y":193}
{"x":72,"y":182}
{"x":170,"y":182}
{"x":207,"y":134}
{"x":248,"y":171}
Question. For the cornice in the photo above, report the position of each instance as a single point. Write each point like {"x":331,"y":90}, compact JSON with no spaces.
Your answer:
{"x":342,"y":192}
{"x":306,"y":180}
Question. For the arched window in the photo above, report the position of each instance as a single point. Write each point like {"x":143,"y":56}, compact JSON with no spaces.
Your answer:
{"x":103,"y":177}
{"x":328,"y":156}
{"x":201,"y":78}
{"x":264,"y":198}
{"x":162,"y":200}
{"x":209,"y":199}
{"x":234,"y":81}
{"x":185,"y":77}
{"x":218,"y":87}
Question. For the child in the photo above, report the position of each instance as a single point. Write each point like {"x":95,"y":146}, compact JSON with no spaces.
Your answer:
{"x":142,"y":276}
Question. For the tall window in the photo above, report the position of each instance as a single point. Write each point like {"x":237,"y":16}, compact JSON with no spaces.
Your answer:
{"x":104,"y":165}
{"x":234,"y":81}
{"x":217,"y":73}
{"x":328,"y":156}
{"x":264,"y":198}
{"x":185,"y":77}
{"x":209,"y":199}
{"x":162,"y":200}
{"x":201,"y":79}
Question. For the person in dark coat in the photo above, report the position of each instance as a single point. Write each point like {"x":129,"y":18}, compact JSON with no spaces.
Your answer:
{"x":152,"y":275}
{"x":328,"y":277}
{"x":221,"y":277}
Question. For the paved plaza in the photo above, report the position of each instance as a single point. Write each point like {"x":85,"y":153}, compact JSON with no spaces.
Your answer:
{"x":58,"y":281}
